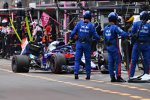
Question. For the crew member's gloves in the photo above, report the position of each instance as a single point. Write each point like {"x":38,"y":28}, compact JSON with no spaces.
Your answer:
{"x":101,"y":40}
{"x":70,"y":42}
{"x":128,"y":39}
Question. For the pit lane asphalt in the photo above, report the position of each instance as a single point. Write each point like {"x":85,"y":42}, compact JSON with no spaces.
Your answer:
{"x":40,"y":85}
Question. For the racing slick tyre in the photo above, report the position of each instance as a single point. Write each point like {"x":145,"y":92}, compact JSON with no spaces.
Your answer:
{"x":56,"y":62}
{"x":20,"y":64}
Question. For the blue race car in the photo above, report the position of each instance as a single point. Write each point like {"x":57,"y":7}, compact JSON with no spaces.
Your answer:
{"x":57,"y":58}
{"x":35,"y":57}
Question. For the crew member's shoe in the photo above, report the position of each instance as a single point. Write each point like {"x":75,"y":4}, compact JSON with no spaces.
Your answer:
{"x":113,"y":79}
{"x":87,"y":78}
{"x":120,"y":79}
{"x":131,"y":79}
{"x":76,"y":76}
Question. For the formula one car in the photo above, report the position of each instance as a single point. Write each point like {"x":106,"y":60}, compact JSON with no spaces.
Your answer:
{"x":35,"y":57}
{"x":57,"y":58}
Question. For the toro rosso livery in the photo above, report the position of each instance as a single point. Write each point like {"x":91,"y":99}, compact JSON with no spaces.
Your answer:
{"x":57,"y":58}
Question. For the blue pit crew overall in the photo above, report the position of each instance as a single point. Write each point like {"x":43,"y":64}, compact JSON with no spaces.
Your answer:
{"x":111,"y":33}
{"x":141,"y":45}
{"x":85,"y":32}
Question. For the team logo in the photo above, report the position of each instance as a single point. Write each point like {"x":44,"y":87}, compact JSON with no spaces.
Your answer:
{"x":108,"y":33}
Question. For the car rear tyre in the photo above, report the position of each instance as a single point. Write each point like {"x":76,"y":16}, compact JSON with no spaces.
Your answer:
{"x":56,"y":62}
{"x":20,"y":64}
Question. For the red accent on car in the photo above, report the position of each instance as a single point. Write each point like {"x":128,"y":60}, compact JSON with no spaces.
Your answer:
{"x":69,"y":55}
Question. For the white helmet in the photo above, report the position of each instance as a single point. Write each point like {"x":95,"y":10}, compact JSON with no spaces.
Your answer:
{"x":4,"y":20}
